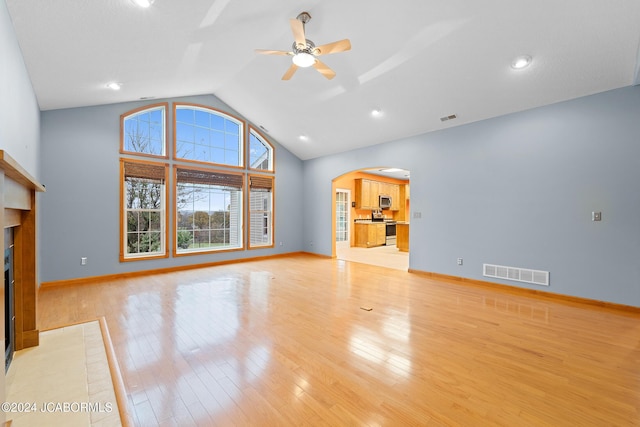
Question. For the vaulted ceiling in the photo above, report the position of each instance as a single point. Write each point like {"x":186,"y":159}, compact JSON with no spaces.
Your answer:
{"x":414,"y":60}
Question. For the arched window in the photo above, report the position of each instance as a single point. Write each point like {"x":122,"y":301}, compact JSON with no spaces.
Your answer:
{"x":208,"y":136}
{"x":260,"y":152}
{"x":143,"y":131}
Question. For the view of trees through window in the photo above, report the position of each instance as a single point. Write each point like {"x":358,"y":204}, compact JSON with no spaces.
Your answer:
{"x":207,"y":136}
{"x":207,"y":188}
{"x":207,"y":217}
{"x":144,"y":132}
{"x":144,"y":194}
{"x":144,"y":215}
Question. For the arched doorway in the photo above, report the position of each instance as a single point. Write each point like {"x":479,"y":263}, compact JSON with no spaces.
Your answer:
{"x":362,"y":230}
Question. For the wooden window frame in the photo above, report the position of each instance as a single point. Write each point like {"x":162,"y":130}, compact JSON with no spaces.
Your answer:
{"x":123,"y":117}
{"x":124,"y":257}
{"x":241,"y":212}
{"x":270,"y":146}
{"x":241,"y":138}
{"x":270,"y":178}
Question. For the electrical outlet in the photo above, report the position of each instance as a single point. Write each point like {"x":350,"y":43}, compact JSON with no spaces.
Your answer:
{"x":459,"y":261}
{"x":83,"y":260}
{"x":280,"y":243}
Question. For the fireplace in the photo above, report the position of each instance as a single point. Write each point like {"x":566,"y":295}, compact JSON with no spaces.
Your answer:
{"x":9,"y":315}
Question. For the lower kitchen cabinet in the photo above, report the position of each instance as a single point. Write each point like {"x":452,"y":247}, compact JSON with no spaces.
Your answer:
{"x":402,"y":237}
{"x":370,"y":234}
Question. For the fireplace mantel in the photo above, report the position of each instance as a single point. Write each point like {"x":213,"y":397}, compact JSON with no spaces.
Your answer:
{"x":18,"y":209}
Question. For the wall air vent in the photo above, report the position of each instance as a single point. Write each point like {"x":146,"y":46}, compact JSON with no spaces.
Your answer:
{"x":450,"y":117}
{"x":536,"y":277}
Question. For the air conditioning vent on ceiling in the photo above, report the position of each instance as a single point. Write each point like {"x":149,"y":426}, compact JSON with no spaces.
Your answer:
{"x":449,"y":117}
{"x":536,"y":277}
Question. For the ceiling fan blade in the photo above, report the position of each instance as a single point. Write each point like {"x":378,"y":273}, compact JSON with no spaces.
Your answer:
{"x":324,"y":70}
{"x":335,"y":47}
{"x":273,"y":52}
{"x":290,"y":72}
{"x":297,"y":28}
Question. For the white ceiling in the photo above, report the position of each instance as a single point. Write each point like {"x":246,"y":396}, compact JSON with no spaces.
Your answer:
{"x":416,"y":60}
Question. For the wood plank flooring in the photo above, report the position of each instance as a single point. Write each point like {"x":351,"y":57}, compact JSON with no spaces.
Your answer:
{"x":285,"y":342}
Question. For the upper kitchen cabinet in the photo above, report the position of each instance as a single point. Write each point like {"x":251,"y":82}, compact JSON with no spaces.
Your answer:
{"x":368,"y":194}
{"x":395,"y":197}
{"x":363,"y":194}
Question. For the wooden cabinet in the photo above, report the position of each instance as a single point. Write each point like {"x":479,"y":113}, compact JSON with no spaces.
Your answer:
{"x":402,"y":237}
{"x":369,"y":234}
{"x":368,"y":194}
{"x":363,"y":194}
{"x":374,"y":201}
{"x":395,"y":197}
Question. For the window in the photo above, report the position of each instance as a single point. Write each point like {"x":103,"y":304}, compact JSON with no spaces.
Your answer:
{"x":143,"y":209}
{"x":208,"y":210}
{"x":143,"y":131}
{"x":260,"y":211}
{"x":212,"y":211}
{"x":206,"y":135}
{"x":260,"y":152}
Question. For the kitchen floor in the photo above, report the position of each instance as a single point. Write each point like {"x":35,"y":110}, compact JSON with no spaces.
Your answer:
{"x":384,"y":256}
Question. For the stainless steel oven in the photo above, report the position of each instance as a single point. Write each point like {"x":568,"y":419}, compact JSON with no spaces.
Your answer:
{"x":390,"y":233}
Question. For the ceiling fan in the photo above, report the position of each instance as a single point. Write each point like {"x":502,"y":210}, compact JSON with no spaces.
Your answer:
{"x":304,"y":52}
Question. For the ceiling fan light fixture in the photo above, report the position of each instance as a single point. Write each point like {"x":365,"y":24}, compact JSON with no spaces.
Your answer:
{"x":303,"y":59}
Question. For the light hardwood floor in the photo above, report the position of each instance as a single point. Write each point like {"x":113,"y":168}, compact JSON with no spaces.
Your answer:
{"x":284,"y":341}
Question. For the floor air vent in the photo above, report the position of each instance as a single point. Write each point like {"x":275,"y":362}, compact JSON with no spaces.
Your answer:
{"x":537,"y":277}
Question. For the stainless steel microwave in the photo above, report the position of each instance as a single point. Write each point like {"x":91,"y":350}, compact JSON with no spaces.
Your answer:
{"x":385,"y":202}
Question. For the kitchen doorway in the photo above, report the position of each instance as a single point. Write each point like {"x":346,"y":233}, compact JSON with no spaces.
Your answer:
{"x":350,"y":213}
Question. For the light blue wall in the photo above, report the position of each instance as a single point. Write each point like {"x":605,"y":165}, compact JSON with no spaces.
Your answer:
{"x":80,"y":168}
{"x":19,"y":112}
{"x":517,"y":190}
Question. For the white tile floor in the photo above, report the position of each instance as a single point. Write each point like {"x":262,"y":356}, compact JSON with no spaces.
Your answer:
{"x":65,"y":380}
{"x":384,"y":256}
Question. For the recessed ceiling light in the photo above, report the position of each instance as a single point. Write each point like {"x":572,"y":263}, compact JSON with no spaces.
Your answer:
{"x":114,"y":85}
{"x":521,"y":62}
{"x":303,"y":138}
{"x":143,"y":3}
{"x":376,"y":112}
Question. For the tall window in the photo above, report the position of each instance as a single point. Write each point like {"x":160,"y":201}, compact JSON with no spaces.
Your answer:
{"x":207,"y":135}
{"x":260,"y":152}
{"x":143,"y":201}
{"x":260,"y":211}
{"x":214,"y":157}
{"x":143,"y":131}
{"x":208,"y":210}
